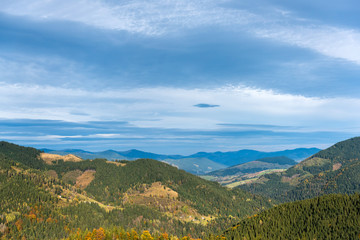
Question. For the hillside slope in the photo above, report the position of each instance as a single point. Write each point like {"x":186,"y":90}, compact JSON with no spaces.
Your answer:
{"x":144,"y":194}
{"x":258,"y":165}
{"x":326,"y":217}
{"x":333,"y":170}
{"x":195,"y":165}
{"x":112,"y":184}
{"x":30,"y":157}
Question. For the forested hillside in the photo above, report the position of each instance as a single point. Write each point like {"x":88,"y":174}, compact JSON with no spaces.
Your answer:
{"x":44,"y":196}
{"x":255,"y":166}
{"x":333,"y":170}
{"x":327,"y":217}
{"x":54,"y":199}
{"x":29,"y":157}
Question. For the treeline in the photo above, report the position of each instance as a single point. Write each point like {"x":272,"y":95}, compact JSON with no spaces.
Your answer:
{"x":342,"y":151}
{"x":26,"y":155}
{"x":327,"y":217}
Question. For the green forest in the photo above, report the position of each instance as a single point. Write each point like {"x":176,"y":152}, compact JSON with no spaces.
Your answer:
{"x":333,"y":170}
{"x":44,"y":202}
{"x":148,"y":199}
{"x":332,"y":216}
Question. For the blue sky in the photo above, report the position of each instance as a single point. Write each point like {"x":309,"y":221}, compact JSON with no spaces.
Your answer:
{"x":180,"y":77}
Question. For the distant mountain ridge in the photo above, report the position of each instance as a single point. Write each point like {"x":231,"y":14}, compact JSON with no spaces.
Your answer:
{"x":246,"y":155}
{"x":198,"y":163}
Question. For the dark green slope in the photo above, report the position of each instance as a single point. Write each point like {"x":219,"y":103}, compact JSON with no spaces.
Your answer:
{"x":30,"y":208}
{"x":326,"y":217}
{"x":333,"y":170}
{"x":255,"y":166}
{"x":44,"y":202}
{"x":26,"y":155}
{"x":111,"y":182}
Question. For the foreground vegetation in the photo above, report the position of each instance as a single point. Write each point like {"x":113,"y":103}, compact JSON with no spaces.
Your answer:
{"x":327,"y":217}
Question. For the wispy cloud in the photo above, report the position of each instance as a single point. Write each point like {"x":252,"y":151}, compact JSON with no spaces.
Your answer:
{"x":258,"y":127}
{"x":330,"y":41}
{"x":144,"y":17}
{"x":161,"y":107}
{"x":22,"y":68}
{"x":95,"y":137}
{"x":163,"y":17}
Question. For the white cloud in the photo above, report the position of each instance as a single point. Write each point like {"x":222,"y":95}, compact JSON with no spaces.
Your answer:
{"x":20,"y":68}
{"x":173,"y":107}
{"x":161,"y":17}
{"x":329,"y":41}
{"x":138,"y":16}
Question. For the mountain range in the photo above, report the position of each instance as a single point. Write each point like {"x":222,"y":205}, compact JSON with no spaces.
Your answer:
{"x":198,"y":163}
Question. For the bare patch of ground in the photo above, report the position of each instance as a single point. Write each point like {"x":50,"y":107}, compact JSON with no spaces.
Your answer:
{"x":51,"y":158}
{"x":158,"y":190}
{"x":336,"y":166}
{"x":85,"y":179}
{"x":16,"y":169}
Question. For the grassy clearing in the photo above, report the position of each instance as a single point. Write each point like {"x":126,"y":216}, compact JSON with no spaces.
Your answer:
{"x":85,"y":179}
{"x":51,"y":158}
{"x":250,"y":178}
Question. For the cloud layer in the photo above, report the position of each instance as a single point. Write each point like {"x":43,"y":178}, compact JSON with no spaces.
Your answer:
{"x":164,"y":17}
{"x":173,"y":107}
{"x":179,"y":75}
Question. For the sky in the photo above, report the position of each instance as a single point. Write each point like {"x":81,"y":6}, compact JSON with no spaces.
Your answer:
{"x":179,"y":76}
